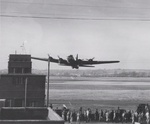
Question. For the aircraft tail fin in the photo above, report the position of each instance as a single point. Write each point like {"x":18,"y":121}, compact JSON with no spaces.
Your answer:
{"x":77,"y":57}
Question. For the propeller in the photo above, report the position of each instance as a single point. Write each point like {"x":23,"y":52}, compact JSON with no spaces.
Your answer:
{"x":60,"y":59}
{"x":49,"y":57}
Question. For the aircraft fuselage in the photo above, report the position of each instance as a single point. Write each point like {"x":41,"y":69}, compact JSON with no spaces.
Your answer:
{"x":72,"y":62}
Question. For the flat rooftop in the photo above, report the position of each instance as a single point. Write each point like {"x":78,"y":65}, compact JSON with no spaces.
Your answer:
{"x":29,"y":115}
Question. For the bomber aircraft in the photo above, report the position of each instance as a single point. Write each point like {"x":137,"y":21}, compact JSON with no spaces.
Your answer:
{"x":74,"y":62}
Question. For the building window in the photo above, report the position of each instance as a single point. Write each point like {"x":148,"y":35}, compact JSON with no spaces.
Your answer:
{"x":9,"y":103}
{"x":18,"y":103}
{"x":18,"y":70}
{"x":11,"y":70}
{"x":19,"y":80}
{"x":27,"y":70}
{"x":32,"y":104}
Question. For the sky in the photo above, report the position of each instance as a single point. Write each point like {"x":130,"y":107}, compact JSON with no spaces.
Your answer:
{"x":104,"y":29}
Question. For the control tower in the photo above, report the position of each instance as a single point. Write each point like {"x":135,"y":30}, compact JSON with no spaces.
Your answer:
{"x":22,"y":94}
{"x":21,"y":88}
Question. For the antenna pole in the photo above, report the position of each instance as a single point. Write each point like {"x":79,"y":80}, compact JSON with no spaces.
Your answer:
{"x":48,"y":82}
{"x":23,"y":48}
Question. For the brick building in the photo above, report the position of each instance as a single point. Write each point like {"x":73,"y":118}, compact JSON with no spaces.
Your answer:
{"x":20,"y":87}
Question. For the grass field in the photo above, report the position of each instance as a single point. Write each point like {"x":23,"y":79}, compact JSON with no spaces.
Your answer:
{"x":101,"y":93}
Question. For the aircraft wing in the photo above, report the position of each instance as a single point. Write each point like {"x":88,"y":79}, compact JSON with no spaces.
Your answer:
{"x":60,"y":61}
{"x":46,"y":59}
{"x":83,"y":62}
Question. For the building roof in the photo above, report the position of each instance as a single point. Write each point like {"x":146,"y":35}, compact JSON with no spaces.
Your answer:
{"x":23,"y":74}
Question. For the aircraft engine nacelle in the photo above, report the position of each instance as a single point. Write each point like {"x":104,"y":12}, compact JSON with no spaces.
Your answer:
{"x":91,"y":60}
{"x":61,"y":61}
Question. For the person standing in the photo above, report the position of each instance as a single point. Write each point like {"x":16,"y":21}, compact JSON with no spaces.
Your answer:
{"x":71,"y":117}
{"x":87,"y":115}
{"x":68,"y":116}
{"x":96,"y":115}
{"x":107,"y":115}
{"x":147,"y":117}
{"x":78,"y":117}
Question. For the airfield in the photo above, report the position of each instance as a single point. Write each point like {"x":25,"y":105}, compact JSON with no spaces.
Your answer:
{"x":91,"y":123}
{"x":100,"y":92}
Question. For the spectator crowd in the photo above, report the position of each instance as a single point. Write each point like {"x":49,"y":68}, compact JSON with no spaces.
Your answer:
{"x":141,"y":115}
